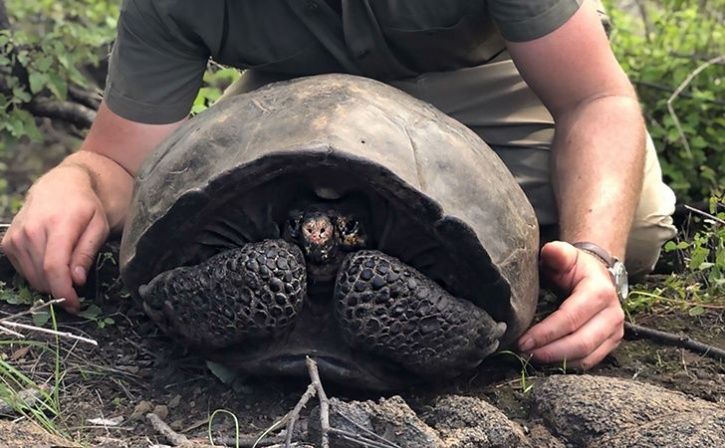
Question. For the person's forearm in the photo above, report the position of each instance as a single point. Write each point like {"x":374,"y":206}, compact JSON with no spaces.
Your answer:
{"x":597,"y":171}
{"x":111,"y":182}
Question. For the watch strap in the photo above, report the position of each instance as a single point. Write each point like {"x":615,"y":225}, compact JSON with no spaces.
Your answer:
{"x":597,"y":251}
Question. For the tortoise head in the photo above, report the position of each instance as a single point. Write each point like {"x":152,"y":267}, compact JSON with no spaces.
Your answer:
{"x":324,"y":232}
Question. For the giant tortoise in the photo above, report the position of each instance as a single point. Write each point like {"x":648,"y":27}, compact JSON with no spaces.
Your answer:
{"x":337,"y":217}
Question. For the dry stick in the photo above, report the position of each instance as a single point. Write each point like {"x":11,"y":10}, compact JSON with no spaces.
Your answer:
{"x":162,"y":428}
{"x":633,"y":331}
{"x":12,"y":332}
{"x":324,"y":402}
{"x":358,"y":439}
{"x":33,"y":309}
{"x":295,"y":414}
{"x":685,"y":83}
{"x":705,"y":214}
{"x":378,"y":438}
{"x":62,"y":334}
{"x":7,"y":322}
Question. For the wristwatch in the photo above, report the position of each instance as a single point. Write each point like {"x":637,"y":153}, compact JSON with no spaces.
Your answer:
{"x":616,"y":268}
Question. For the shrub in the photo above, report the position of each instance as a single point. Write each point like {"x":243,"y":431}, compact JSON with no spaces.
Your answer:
{"x":662,"y":45}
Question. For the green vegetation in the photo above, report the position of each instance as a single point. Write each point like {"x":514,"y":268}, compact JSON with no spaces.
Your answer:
{"x":48,"y":47}
{"x":38,"y":402}
{"x":700,"y":284}
{"x":674,"y":52}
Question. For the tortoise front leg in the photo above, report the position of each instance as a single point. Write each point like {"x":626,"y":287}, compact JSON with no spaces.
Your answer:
{"x":388,"y":308}
{"x":254,"y":291}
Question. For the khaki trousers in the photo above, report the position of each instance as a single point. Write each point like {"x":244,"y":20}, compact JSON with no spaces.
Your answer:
{"x":495,"y":102}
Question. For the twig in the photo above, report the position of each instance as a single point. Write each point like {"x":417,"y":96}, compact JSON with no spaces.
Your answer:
{"x":679,"y":90}
{"x":73,"y":113}
{"x":12,"y":332}
{"x":324,"y":402}
{"x":62,"y":334}
{"x":634,"y":331}
{"x":33,"y":309}
{"x":358,"y":439}
{"x":89,"y":98}
{"x":705,"y":214}
{"x":295,"y":414}
{"x":162,"y":428}
{"x":380,"y":439}
{"x":8,"y":322}
{"x":669,"y":90}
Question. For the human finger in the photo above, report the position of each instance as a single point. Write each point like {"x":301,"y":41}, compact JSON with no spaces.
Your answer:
{"x":89,"y":243}
{"x":560,"y":264}
{"x":585,"y":341}
{"x":587,"y":300}
{"x":56,"y":264}
{"x":597,"y":356}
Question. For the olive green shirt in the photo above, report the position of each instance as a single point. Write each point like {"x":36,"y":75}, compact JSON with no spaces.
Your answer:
{"x":163,"y":46}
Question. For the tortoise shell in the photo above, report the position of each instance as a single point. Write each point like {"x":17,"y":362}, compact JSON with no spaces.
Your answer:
{"x":437,"y":197}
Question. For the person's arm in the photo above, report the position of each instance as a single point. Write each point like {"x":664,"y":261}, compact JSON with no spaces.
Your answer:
{"x":155,"y":71}
{"x":69,"y":211}
{"x":598,"y":158}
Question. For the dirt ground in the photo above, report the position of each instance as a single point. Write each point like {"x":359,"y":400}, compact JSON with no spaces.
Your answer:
{"x":136,"y":369}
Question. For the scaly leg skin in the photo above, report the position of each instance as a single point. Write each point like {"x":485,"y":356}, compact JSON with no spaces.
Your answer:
{"x":251,"y":292}
{"x":390,"y":309}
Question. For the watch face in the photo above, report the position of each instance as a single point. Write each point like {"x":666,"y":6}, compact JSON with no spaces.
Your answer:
{"x":620,"y":279}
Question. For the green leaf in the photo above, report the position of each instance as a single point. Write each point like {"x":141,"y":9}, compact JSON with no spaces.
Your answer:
{"x":37,"y":82}
{"x":696,"y":311}
{"x":58,"y":86}
{"x":698,"y":256}
{"x":40,"y":318}
{"x":91,"y":313}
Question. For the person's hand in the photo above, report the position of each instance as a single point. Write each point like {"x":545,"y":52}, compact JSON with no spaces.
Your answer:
{"x":53,"y":240}
{"x":589,"y":323}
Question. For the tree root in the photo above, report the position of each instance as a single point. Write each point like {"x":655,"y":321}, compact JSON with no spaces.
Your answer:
{"x":633,"y":331}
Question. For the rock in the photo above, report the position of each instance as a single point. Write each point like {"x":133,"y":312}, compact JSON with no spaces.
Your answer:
{"x":584,"y":408}
{"x":689,"y":429}
{"x":141,"y":409}
{"x":161,"y":411}
{"x":541,"y":437}
{"x":389,"y":418}
{"x":469,"y":422}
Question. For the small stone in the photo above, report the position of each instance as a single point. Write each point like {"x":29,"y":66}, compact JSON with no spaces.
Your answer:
{"x":141,"y":409}
{"x":162,"y":411}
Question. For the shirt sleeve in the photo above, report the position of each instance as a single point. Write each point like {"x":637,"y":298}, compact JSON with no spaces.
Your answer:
{"x":155,"y":69}
{"x":524,"y":20}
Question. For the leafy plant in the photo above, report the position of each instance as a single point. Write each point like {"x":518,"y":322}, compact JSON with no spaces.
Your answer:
{"x":47,"y":48}
{"x":701,"y":285}
{"x":673,"y":52}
